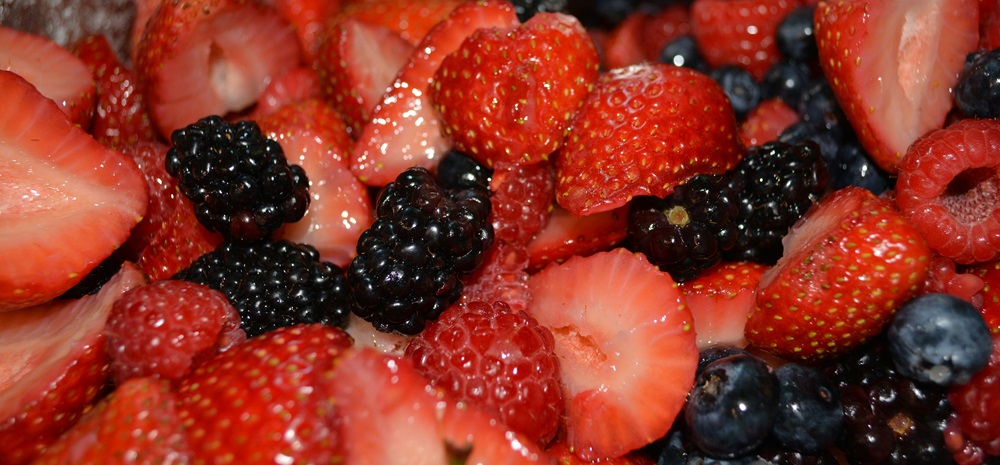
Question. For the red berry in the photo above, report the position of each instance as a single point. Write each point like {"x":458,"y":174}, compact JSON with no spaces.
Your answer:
{"x":739,"y":32}
{"x":721,"y":299}
{"x":502,"y":277}
{"x":522,"y":200}
{"x":977,"y":403}
{"x":989,"y":275}
{"x":766,"y":122}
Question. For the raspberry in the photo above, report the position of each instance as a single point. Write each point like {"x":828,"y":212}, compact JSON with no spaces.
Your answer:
{"x":976,"y":405}
{"x":497,"y":358}
{"x":943,"y":277}
{"x":522,"y":200}
{"x":163,"y":328}
{"x":503,"y":277}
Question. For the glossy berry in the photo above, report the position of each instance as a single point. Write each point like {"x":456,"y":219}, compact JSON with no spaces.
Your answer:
{"x":711,"y":354}
{"x":457,"y":170}
{"x":940,"y":339}
{"x":810,"y":415}
{"x":239,"y":181}
{"x":522,"y":200}
{"x":977,"y":94}
{"x":274,"y":284}
{"x":976,"y":404}
{"x":740,"y":86}
{"x":851,"y":165}
{"x":527,"y":8}
{"x":683,"y":51}
{"x":412,"y":260}
{"x":732,"y":406}
{"x":787,"y":80}
{"x":796,"y":35}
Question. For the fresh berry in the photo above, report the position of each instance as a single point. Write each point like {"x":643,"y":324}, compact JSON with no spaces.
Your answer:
{"x":787,"y":80}
{"x":740,"y":86}
{"x":210,"y":57}
{"x":179,"y":240}
{"x":405,"y":130}
{"x":239,"y":181}
{"x":893,"y":64}
{"x":424,"y":241}
{"x":644,"y":130}
{"x":989,"y":20}
{"x":732,"y":406}
{"x":135,"y":424}
{"x":607,"y":312}
{"x":943,"y":276}
{"x":54,"y":71}
{"x":776,"y":184}
{"x":975,"y":93}
{"x":564,"y":456}
{"x":847,"y":266}
{"x":527,"y":9}
{"x":686,"y":232}
{"x":68,"y":201}
{"x":795,"y":36}
{"x":55,"y":365}
{"x":766,"y":122}
{"x":473,"y":435}
{"x":720,"y":300}
{"x":266,"y":400}
{"x":625,"y":44}
{"x":313,"y":136}
{"x":975,"y":402}
{"x":940,"y":339}
{"x":150,"y":156}
{"x":366,"y":336}
{"x":851,"y":165}
{"x":739,"y":32}
{"x":498,"y":358}
{"x":989,"y":273}
{"x":671,"y":21}
{"x":309,"y":19}
{"x":810,"y":414}
{"x":457,"y":170}
{"x":565,"y":236}
{"x":298,"y":84}
{"x":948,"y":188}
{"x":411,"y":19}
{"x":522,"y":200}
{"x":683,"y":51}
{"x":163,"y":328}
{"x":502,"y":277}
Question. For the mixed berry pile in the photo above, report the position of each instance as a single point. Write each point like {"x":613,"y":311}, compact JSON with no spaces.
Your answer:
{"x":436,"y":232}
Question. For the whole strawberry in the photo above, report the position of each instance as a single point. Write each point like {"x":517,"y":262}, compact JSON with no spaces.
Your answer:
{"x":508,"y":95}
{"x":644,"y":130}
{"x":739,"y":32}
{"x":847,"y":266}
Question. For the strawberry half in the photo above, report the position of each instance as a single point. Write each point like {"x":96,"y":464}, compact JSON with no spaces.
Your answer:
{"x":308,"y":18}
{"x":626,"y":346}
{"x":210,"y":57}
{"x":411,"y":19}
{"x":68,"y":202}
{"x":892,"y":65}
{"x":766,"y":122}
{"x":721,"y":299}
{"x":642,"y":131}
{"x":565,"y":236}
{"x":990,"y":308}
{"x":53,"y":365}
{"x":847,"y":266}
{"x":298,"y":84}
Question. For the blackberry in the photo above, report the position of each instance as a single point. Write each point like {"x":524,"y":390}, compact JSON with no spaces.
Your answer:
{"x":274,"y":284}
{"x":776,"y":184}
{"x":457,"y":170}
{"x":239,"y":181}
{"x":687,"y":231}
{"x":888,"y":418}
{"x":411,"y":260}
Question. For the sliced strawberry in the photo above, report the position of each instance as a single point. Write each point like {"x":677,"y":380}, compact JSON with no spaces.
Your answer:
{"x":137,"y":423}
{"x":68,"y":202}
{"x":502,"y":277}
{"x":564,"y":456}
{"x":405,"y":130}
{"x":366,"y":336}
{"x":766,"y":122}
{"x":357,"y":62}
{"x":721,"y":299}
{"x":266,"y":400}
{"x":151,"y":156}
{"x":53,"y":365}
{"x":57,"y":73}
{"x":989,"y":273}
{"x":309,"y":18}
{"x":847,"y":266}
{"x":892,"y":65}
{"x":522,"y":200}
{"x":643,"y":130}
{"x":626,"y":45}
{"x":626,"y":346}
{"x":507,"y":95}
{"x":178,"y":242}
{"x":663,"y":26}
{"x":121,"y":118}
{"x":565,"y":235}
{"x":474,"y":436}
{"x":739,"y":32}
{"x":411,"y":19}
{"x":989,"y":24}
{"x":314,"y":136}
{"x":298,"y":84}
{"x":144,"y":10}
{"x":210,"y":57}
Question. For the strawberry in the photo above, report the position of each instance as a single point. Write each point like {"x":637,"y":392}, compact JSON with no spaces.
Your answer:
{"x":565,"y":235}
{"x":121,"y":118}
{"x":642,"y":131}
{"x":357,"y":63}
{"x":766,"y":122}
{"x":662,"y":27}
{"x":502,"y":277}
{"x":948,"y":188}
{"x":847,"y":266}
{"x":366,"y":336}
{"x":54,"y":366}
{"x":308,"y":18}
{"x":508,"y":95}
{"x":473,"y":436}
{"x":522,"y":200}
{"x":151,"y":158}
{"x":989,"y":24}
{"x":892,"y":65}
{"x":144,"y":10}
{"x":411,"y":19}
{"x":53,"y":70}
{"x":721,"y":299}
{"x":135,"y":424}
{"x":564,"y":456}
{"x":69,"y":201}
{"x":178,"y":242}
{"x":266,"y":400}
{"x":210,"y":57}
{"x":497,"y":358}
{"x":626,"y":346}
{"x":625,"y":45}
{"x":314,"y":136}
{"x":989,"y":273}
{"x":162,"y":329}
{"x":298,"y":84}
{"x":405,"y":130}
{"x":739,"y":32}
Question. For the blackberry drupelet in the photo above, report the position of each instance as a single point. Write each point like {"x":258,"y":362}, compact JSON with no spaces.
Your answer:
{"x":776,"y":184}
{"x":457,"y":170}
{"x":686,"y":232}
{"x":274,"y":284}
{"x":411,"y":261}
{"x":239,"y":181}
{"x":888,"y":418}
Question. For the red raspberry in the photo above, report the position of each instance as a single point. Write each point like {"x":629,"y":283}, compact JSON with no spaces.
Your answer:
{"x":976,"y":405}
{"x":522,"y":200}
{"x":503,"y":277}
{"x":497,"y":358}
{"x":943,"y":277}
{"x":163,"y":328}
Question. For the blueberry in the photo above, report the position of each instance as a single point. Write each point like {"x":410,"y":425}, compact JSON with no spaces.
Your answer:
{"x":787,"y":80}
{"x":819,"y":106}
{"x":732,"y":406}
{"x":940,"y":339}
{"x":803,"y":131}
{"x":977,"y":92}
{"x":714,"y":353}
{"x":457,"y":170}
{"x":796,"y":35}
{"x":683,"y":51}
{"x":526,"y":9}
{"x":676,"y":449}
{"x":810,"y":415}
{"x":743,"y":90}
{"x":851,"y":165}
